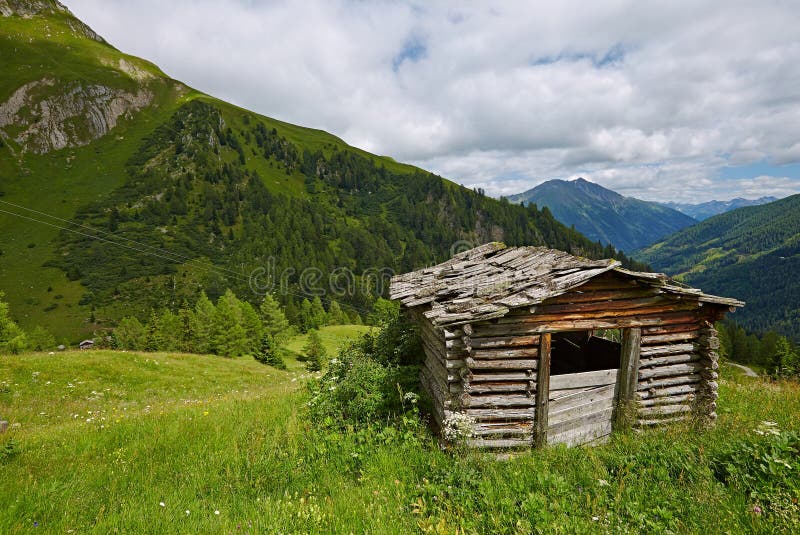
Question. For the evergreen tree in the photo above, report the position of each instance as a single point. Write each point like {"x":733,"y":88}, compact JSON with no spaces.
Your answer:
{"x":154,"y":341}
{"x":130,"y":334}
{"x":270,"y":352}
{"x":169,"y":331}
{"x":187,"y":336}
{"x":336,"y":315}
{"x":305,"y":316}
{"x":12,"y":337}
{"x":204,"y":321}
{"x":786,"y":361}
{"x":318,"y":315}
{"x":315,"y":352}
{"x":253,"y":327}
{"x":230,"y":338}
{"x":273,"y":319}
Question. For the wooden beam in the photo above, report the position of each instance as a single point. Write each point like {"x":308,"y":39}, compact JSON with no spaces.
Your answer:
{"x":628,"y":375}
{"x":542,"y":392}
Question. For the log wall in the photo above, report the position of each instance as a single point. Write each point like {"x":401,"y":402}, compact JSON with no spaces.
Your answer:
{"x":488,"y":369}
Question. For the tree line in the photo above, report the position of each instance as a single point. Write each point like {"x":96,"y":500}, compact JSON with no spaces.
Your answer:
{"x":775,"y":353}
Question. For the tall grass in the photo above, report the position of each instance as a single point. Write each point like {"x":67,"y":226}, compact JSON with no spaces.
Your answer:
{"x":207,"y":435}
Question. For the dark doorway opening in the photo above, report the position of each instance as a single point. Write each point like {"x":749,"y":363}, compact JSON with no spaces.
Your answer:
{"x":583,"y":351}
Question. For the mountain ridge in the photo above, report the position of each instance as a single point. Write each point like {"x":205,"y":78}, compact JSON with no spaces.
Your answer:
{"x":751,"y":253}
{"x":605,"y":215}
{"x":704,"y":210}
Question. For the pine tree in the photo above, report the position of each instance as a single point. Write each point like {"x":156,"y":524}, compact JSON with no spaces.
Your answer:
{"x":169,"y":331}
{"x":154,"y":341}
{"x":253,"y":327}
{"x":306,"y":316}
{"x":273,"y":319}
{"x":315,"y":351}
{"x":230,"y":338}
{"x":204,"y":321}
{"x":130,"y":334}
{"x":335,"y":314}
{"x":318,"y":315}
{"x":270,"y":352}
{"x":187,"y":336}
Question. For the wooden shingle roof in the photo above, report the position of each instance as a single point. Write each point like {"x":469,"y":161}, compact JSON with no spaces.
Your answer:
{"x":488,"y":281}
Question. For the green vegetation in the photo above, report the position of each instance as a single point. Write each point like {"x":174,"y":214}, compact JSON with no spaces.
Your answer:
{"x":751,"y":253}
{"x":130,"y":442}
{"x":201,"y":193}
{"x":604,"y":215}
{"x":773,"y":353}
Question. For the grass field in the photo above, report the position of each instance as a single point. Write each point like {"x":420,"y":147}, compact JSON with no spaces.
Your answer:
{"x":115,"y":442}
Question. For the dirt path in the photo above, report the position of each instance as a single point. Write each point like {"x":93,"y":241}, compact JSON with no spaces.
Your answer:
{"x":747,"y":371}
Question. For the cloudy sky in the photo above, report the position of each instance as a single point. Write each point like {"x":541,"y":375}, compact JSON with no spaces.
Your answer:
{"x":683,"y":101}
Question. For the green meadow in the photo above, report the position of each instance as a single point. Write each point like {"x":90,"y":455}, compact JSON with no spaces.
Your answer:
{"x":123,"y":442}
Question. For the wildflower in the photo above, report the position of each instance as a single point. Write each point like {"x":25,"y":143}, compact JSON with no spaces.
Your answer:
{"x":602,"y":483}
{"x":205,"y":413}
{"x":595,"y":518}
{"x":187,"y":512}
{"x":216,"y":512}
{"x":162,"y":504}
{"x":757,"y":509}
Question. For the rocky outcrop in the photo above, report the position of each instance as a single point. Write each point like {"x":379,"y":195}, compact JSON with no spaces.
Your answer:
{"x":31,"y":8}
{"x":40,"y":119}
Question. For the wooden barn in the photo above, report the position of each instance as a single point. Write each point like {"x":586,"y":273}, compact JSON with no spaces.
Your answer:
{"x":536,"y":346}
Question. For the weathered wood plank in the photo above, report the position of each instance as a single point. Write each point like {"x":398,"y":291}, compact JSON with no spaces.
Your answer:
{"x":668,"y":400}
{"x":663,"y":410}
{"x":501,"y":364}
{"x":495,"y":387}
{"x":542,"y":392}
{"x":489,"y":401}
{"x":583,"y":379}
{"x":669,"y":371}
{"x":600,"y":416}
{"x":505,"y":353}
{"x":669,"y":359}
{"x":582,"y":396}
{"x":670,"y":391}
{"x":589,"y":434}
{"x":523,"y":375}
{"x":658,"y":339}
{"x":585,"y":409}
{"x":671,"y":349}
{"x":669,"y":381}
{"x":501,"y":341}
{"x":501,"y":414}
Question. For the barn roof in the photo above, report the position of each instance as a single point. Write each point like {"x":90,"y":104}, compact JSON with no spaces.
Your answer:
{"x":488,"y":281}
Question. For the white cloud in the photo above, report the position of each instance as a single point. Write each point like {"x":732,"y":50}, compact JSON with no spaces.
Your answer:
{"x":650,"y":100}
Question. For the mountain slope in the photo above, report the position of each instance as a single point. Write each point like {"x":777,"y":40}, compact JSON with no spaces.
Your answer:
{"x":752,"y":253}
{"x":122,"y":190}
{"x":711,"y":208}
{"x":604,"y":215}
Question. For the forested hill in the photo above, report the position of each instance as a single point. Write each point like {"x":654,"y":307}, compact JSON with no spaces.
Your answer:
{"x":605,"y":215}
{"x":751,"y":253}
{"x":178,"y":192}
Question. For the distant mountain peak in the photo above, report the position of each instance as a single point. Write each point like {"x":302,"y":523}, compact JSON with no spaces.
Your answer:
{"x":708,"y":209}
{"x":603,"y":214}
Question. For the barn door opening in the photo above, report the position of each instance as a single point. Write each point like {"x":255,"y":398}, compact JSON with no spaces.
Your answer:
{"x":584,"y":370}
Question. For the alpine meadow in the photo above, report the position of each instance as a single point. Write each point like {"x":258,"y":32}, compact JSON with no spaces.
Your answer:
{"x":217,"y":321}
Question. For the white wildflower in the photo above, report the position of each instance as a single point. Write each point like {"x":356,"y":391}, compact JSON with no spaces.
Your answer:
{"x":162,"y":504}
{"x":458,"y":426}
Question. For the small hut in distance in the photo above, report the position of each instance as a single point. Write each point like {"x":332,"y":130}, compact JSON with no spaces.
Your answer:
{"x":537,"y":346}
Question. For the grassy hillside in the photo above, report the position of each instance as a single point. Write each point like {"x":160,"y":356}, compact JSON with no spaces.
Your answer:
{"x":206,"y":191}
{"x":112,"y":441}
{"x":751,"y":253}
{"x":604,"y":215}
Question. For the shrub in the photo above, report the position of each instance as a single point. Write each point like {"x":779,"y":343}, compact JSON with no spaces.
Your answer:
{"x":765,"y":465}
{"x":371,"y":380}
